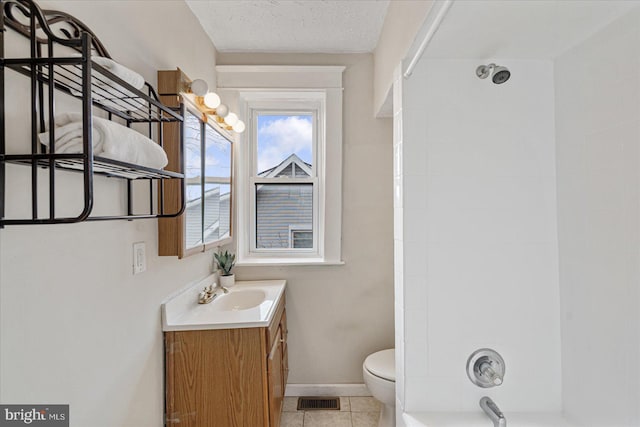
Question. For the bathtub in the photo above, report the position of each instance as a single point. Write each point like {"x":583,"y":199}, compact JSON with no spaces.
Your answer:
{"x":479,"y":419}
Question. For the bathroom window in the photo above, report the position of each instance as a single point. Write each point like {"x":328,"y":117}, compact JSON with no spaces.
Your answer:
{"x":284,"y":180}
{"x":289,"y":170}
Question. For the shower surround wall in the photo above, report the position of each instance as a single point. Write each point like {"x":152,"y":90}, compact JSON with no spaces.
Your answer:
{"x":476,"y":237}
{"x":598,"y":137}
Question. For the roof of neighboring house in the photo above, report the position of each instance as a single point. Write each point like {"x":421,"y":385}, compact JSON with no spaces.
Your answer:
{"x":292,"y":166}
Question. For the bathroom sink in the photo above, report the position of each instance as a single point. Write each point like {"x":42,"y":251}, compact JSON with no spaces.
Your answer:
{"x":246,"y":305}
{"x":240,"y":300}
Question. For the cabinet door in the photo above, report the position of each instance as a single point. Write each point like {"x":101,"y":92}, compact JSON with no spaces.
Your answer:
{"x":215,"y":378}
{"x":285,"y":350}
{"x":275,"y":381}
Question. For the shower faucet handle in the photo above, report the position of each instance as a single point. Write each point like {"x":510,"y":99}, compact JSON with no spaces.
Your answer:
{"x":485,"y":368}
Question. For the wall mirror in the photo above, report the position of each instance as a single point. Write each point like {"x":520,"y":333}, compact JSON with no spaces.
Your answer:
{"x":207,"y":153}
{"x":208,"y":163}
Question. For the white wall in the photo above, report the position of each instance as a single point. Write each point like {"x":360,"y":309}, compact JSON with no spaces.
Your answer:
{"x":478,"y":236}
{"x":598,"y":134}
{"x":75,"y":326}
{"x":337,"y":315}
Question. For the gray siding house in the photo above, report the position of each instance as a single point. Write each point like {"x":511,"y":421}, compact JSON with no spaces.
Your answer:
{"x":216,"y":226}
{"x":284,"y":212}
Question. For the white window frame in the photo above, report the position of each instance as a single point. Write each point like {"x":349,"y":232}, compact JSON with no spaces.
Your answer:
{"x":314,"y":107}
{"x":284,"y":89}
{"x":287,"y":103}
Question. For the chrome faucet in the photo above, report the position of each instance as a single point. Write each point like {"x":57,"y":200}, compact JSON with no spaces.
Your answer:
{"x":493,"y":412}
{"x":216,"y":287}
{"x":207,"y":295}
{"x":210,"y":293}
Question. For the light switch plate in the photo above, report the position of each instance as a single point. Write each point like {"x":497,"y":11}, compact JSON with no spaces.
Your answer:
{"x":139,"y":258}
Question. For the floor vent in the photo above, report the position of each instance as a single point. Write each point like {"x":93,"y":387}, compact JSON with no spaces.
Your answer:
{"x":318,"y":403}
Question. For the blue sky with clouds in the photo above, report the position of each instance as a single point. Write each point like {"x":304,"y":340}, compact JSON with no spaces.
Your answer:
{"x":279,"y":136}
{"x":217,"y":156}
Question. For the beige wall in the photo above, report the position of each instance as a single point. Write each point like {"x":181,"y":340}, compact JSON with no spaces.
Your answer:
{"x":147,"y":35}
{"x":338,"y":315}
{"x":401,"y":25}
{"x":75,"y":325}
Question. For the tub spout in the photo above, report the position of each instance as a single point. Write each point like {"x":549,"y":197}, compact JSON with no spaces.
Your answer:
{"x":493,"y":412}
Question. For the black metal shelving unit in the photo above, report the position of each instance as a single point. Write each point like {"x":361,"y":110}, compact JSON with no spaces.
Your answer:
{"x":73,"y":73}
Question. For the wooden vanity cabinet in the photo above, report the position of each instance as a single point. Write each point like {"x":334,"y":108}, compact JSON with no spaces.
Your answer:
{"x":227,"y":377}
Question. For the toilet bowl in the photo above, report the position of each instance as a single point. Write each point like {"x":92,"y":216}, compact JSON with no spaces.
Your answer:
{"x":379,"y":371}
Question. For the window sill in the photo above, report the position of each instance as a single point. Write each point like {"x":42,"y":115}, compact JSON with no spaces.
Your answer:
{"x":286,"y":262}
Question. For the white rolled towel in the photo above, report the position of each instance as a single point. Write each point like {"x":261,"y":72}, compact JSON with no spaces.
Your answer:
{"x":110,"y":140}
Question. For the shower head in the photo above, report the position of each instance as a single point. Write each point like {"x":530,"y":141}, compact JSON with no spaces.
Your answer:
{"x":500,"y":74}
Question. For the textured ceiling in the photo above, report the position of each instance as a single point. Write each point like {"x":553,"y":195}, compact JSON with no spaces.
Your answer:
{"x":328,"y":26}
{"x":540,"y":29}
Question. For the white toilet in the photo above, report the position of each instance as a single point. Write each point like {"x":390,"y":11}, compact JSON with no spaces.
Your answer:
{"x":379,"y":371}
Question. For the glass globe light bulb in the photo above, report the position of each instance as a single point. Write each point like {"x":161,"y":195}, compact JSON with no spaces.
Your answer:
{"x":199,"y":87}
{"x":222,"y":110}
{"x":231,"y":119}
{"x":212,"y":100}
{"x":239,"y":126}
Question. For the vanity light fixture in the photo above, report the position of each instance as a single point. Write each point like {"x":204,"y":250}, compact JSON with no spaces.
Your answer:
{"x":211,"y":104}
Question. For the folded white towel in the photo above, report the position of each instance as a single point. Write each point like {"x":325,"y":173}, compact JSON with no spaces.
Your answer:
{"x":106,"y":96}
{"x":129,"y":76}
{"x":110,"y":140}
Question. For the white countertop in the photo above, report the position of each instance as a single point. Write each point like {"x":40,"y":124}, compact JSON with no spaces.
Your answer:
{"x":183,"y":313}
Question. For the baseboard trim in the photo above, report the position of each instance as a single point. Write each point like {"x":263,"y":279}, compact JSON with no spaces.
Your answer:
{"x":295,"y":390}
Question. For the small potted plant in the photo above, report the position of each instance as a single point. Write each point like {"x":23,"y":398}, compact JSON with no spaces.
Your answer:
{"x":226,"y":260}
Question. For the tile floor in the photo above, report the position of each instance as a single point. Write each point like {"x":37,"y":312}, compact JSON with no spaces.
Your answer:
{"x":354,"y":412}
